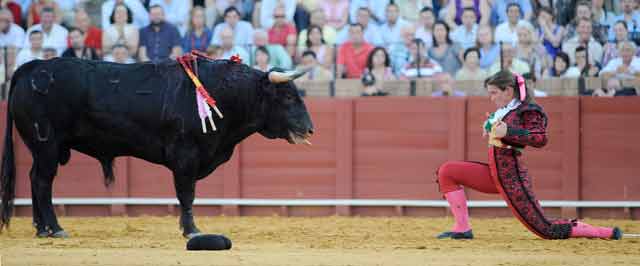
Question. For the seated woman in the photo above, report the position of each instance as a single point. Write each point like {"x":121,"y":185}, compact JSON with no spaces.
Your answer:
{"x":121,"y":31}
{"x":316,"y":43}
{"x":198,"y":36}
{"x":262,"y":59}
{"x":420,"y":66}
{"x":471,"y":67}
{"x":517,"y":123}
{"x":379,"y":66}
{"x":560,"y":68}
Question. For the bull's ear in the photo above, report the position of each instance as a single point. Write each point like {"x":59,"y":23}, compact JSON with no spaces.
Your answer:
{"x":282,"y":77}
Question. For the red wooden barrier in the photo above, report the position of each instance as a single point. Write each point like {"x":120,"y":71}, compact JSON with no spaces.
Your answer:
{"x":389,"y":148}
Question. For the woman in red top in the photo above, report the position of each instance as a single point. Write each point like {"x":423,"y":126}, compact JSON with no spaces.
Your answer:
{"x":517,"y":123}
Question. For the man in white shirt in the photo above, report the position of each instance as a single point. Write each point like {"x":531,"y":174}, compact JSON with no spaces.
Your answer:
{"x":506,"y":32}
{"x":584,"y":35}
{"x":371,"y":31}
{"x":32,"y":52}
{"x":266,"y":11}
{"x":391,"y":29}
{"x":55,"y":36}
{"x":377,"y":8}
{"x":229,"y":48}
{"x":465,"y":34}
{"x":139,"y":13}
{"x":242,"y":30}
{"x":10,"y":33}
{"x":626,"y":66}
{"x":177,"y":13}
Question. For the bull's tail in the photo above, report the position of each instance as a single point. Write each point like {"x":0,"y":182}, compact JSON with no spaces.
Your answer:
{"x":8,"y":170}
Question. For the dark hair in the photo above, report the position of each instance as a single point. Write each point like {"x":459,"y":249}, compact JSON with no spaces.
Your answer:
{"x":72,"y":29}
{"x":264,"y":50}
{"x":470,"y":50}
{"x":387,"y":61}
{"x":312,"y":27}
{"x":580,"y":49}
{"x":112,"y":18}
{"x":47,"y":10}
{"x":624,"y":23}
{"x":231,"y":9}
{"x":466,"y":9}
{"x":156,"y":6}
{"x":35,"y":32}
{"x":446,"y":27}
{"x":309,"y":53}
{"x":392,"y":3}
{"x":512,"y":5}
{"x":357,"y":25}
{"x":547,"y":10}
{"x":565,"y":58}
{"x":583,"y":3}
{"x":119,"y":45}
{"x":505,"y":79}
{"x":364,"y":8}
{"x":427,"y":9}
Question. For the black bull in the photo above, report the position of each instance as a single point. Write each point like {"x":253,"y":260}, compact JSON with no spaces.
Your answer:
{"x":147,"y":111}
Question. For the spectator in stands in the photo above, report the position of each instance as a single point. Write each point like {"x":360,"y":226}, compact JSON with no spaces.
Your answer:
{"x":560,"y":68}
{"x":372,"y":32}
{"x":391,"y":29}
{"x":336,"y":12}
{"x":506,"y":31}
{"x":471,"y":68}
{"x":614,"y":88}
{"x":121,"y":31}
{"x":610,"y":49}
{"x":581,"y":66}
{"x":178,"y":14}
{"x":400,"y":52}
{"x":444,"y":51}
{"x":160,"y":40}
{"x":549,"y":32}
{"x":583,"y":11}
{"x":93,"y":35}
{"x":530,"y":50}
{"x":328,"y":33}
{"x":456,"y":10}
{"x":489,"y":50}
{"x":500,"y":11}
{"x":408,"y":9}
{"x":377,"y":8}
{"x":215,"y":9}
{"x":13,"y":8}
{"x":11,"y":35}
{"x":283,"y":32}
{"x":425,"y":25}
{"x":316,"y":71}
{"x":229,"y":48}
{"x":445,"y":86}
{"x":36,"y":8}
{"x":198,"y":36}
{"x":139,"y":15}
{"x":629,"y":15}
{"x":32,"y":52}
{"x":465,"y":34}
{"x":600,"y":15}
{"x":279,"y":57}
{"x":626,"y":66}
{"x":242,"y":30}
{"x":379,"y":66}
{"x":584,"y":37}
{"x":352,"y":56}
{"x":55,"y":36}
{"x":315,"y":43}
{"x":268,"y":6}
{"x":78,"y":48}
{"x":119,"y":54}
{"x":262,"y":59}
{"x":49,"y":53}
{"x":509,"y":61}
{"x":420,"y":65}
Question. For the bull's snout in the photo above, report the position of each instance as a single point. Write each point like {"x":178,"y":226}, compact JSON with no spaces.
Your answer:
{"x":310,"y":131}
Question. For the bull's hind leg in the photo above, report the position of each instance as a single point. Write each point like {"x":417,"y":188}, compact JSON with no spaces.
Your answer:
{"x":43,"y":171}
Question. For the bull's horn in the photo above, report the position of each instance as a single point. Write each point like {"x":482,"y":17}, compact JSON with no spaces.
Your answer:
{"x":281,"y":77}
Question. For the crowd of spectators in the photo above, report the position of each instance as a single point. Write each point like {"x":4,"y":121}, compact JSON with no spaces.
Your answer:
{"x":372,"y":40}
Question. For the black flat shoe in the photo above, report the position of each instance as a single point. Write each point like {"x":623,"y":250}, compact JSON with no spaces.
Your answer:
{"x":457,"y":235}
{"x":617,"y":234}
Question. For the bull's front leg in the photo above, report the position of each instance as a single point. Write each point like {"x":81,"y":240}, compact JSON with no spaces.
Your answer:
{"x":185,"y":191}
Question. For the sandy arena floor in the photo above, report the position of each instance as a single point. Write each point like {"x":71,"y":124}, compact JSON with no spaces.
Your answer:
{"x":308,"y":241}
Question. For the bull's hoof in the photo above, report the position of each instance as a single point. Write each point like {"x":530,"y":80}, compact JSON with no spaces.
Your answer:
{"x":60,"y":234}
{"x":42,"y":234}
